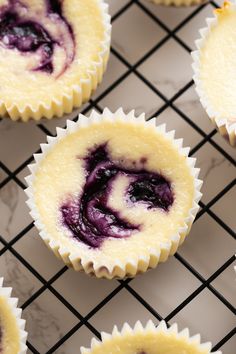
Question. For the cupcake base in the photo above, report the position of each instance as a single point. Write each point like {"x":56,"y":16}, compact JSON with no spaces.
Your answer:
{"x":226,"y":125}
{"x":13,"y":335}
{"x":107,"y":262}
{"x":142,"y":340}
{"x":73,"y":68}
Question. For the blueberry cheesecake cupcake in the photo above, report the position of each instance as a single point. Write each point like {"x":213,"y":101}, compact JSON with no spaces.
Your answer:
{"x":149,"y":340}
{"x":12,"y":334}
{"x":112,"y":194}
{"x":53,"y":54}
{"x":214,"y":70}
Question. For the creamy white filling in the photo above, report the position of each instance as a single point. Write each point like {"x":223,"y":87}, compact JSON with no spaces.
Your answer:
{"x":218,"y":66}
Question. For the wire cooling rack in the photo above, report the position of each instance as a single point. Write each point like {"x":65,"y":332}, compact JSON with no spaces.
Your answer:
{"x":196,"y":287}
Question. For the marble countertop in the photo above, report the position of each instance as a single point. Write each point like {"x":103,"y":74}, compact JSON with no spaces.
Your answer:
{"x":63,"y":298}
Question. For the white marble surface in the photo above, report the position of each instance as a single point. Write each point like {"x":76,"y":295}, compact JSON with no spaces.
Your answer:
{"x":208,"y":246}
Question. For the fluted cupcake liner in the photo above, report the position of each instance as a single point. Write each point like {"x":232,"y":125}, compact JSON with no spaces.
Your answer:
{"x":226,"y":129}
{"x":170,"y":335}
{"x":178,"y":3}
{"x":20,"y":323}
{"x":78,"y":94}
{"x":131,"y":266}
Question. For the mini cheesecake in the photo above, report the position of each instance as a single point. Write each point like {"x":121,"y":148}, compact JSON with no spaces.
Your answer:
{"x":149,"y":340}
{"x":12,"y":334}
{"x":214,"y":70}
{"x":52,"y":55}
{"x":113,"y":194}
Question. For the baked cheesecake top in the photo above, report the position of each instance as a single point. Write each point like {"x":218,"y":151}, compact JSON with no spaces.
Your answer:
{"x":112,"y":191}
{"x":46,"y":48}
{"x":9,"y":330}
{"x":217,"y":64}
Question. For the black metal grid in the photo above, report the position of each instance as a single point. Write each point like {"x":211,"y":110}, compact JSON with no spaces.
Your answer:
{"x":205,"y":208}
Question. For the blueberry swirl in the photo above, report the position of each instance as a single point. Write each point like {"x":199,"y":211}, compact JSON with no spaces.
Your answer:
{"x":39,"y":32}
{"x":1,"y":335}
{"x":91,"y":220}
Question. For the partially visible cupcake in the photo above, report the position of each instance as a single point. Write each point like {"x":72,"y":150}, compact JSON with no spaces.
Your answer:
{"x":12,"y":333}
{"x":178,"y":3}
{"x":214,"y":70}
{"x":113,"y":195}
{"x":53,"y":55}
{"x":149,"y":340}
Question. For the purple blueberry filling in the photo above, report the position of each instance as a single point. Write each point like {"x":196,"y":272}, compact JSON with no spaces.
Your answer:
{"x":1,"y":335}
{"x":55,"y":6}
{"x":28,"y":35}
{"x":91,"y":220}
{"x":154,"y":190}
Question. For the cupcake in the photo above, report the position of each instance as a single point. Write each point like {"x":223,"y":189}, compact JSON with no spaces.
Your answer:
{"x":214,"y":70}
{"x":149,"y":340}
{"x":112,"y":194}
{"x":178,"y":2}
{"x":12,"y":334}
{"x":53,"y":54}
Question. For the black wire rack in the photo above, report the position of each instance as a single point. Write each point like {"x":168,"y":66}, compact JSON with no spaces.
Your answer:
{"x":84,"y":319}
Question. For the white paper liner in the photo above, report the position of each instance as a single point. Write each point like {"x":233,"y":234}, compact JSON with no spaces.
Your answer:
{"x":151,"y":330}
{"x":130,"y":267}
{"x":79,"y":92}
{"x":12,"y":302}
{"x":178,"y":3}
{"x":226,"y":129}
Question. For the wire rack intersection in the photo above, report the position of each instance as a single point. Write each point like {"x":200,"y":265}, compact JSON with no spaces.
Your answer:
{"x":205,"y":283}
